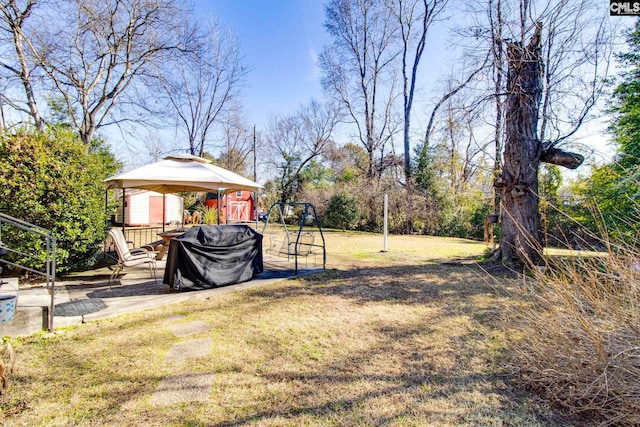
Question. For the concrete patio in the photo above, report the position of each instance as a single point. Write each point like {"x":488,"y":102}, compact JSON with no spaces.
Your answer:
{"x":86,"y":296}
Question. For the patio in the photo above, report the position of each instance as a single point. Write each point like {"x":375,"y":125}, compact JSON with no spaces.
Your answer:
{"x":85,"y":296}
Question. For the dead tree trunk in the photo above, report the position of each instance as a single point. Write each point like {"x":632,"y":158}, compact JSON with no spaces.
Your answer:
{"x":520,"y":240}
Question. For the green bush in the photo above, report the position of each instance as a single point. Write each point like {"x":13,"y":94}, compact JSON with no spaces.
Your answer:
{"x":342,"y":212}
{"x":53,"y":180}
{"x":464,"y":217}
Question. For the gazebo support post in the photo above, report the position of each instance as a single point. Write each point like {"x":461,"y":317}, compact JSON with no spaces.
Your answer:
{"x":164,"y":210}
{"x":124,"y":200}
{"x":218,"y":204}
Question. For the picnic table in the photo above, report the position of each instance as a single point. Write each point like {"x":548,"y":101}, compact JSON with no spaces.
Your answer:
{"x":167,"y":236}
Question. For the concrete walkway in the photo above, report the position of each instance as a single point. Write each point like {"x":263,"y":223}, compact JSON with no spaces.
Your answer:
{"x":86,"y":296}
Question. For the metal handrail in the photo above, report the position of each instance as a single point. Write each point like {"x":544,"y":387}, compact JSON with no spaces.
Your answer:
{"x":50,"y":257}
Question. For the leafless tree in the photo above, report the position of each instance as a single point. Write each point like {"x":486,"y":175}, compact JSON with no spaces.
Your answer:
{"x":498,"y":72}
{"x":465,"y":154}
{"x":93,"y":51}
{"x":199,"y":85}
{"x":360,"y":72}
{"x":292,"y":142}
{"x":15,"y":60}
{"x":414,"y":19}
{"x":557,"y":56}
{"x":238,"y":141}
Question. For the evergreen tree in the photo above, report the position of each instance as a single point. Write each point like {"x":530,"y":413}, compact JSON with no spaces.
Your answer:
{"x":626,"y":126}
{"x":615,"y":187}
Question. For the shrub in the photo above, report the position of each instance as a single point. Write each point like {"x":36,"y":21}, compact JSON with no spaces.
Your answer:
{"x":53,"y":180}
{"x":209,"y":215}
{"x":464,"y":217}
{"x":342,"y":212}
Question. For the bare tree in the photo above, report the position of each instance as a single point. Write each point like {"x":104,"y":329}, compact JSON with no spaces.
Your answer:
{"x":557,"y":64}
{"x":414,"y":18}
{"x":12,"y":23}
{"x":424,"y":173}
{"x":93,"y":51}
{"x":199,"y":85}
{"x":497,"y":68}
{"x":518,"y":183}
{"x":292,"y":142}
{"x":465,"y":153}
{"x":360,"y":72}
{"x":238,"y":141}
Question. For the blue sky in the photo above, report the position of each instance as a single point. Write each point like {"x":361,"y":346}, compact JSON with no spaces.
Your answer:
{"x":280,"y":41}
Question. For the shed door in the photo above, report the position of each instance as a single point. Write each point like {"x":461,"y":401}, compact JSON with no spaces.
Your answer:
{"x":239,"y":211}
{"x":155,"y":209}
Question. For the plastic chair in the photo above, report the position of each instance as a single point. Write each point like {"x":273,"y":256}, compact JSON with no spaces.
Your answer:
{"x":130,"y":257}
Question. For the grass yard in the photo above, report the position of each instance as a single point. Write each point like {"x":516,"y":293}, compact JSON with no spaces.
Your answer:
{"x":390,"y":338}
{"x":357,"y":250}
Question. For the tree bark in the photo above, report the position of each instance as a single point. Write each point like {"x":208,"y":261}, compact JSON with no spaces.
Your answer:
{"x":518,"y":184}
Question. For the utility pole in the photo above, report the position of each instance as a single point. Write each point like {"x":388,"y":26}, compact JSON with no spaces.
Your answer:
{"x":255,"y":168}
{"x":255,"y":176}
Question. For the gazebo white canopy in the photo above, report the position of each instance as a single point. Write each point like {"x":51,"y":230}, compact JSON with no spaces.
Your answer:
{"x":182,"y":173}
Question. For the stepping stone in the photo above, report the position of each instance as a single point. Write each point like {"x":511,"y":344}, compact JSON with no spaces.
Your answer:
{"x":184,"y":350}
{"x":195,"y":387}
{"x":186,"y":329}
{"x":79,"y":307}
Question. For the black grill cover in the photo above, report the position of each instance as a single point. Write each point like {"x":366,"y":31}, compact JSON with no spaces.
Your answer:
{"x":214,"y":255}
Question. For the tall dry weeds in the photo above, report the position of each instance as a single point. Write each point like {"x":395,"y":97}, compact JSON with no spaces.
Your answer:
{"x":579,"y":345}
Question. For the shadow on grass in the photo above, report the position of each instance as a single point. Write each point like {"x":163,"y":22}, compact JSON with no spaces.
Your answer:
{"x":447,"y":353}
{"x":439,"y":363}
{"x":415,"y":375}
{"x":444,"y":354}
{"x":404,"y":285}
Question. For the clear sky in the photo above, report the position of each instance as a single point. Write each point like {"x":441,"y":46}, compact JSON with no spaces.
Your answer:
{"x":280,"y":41}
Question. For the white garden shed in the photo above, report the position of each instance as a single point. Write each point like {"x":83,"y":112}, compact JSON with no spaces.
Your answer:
{"x":142,"y":207}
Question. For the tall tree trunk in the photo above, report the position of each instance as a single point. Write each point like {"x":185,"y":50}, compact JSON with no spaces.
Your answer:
{"x":518,"y":185}
{"x":498,"y":59}
{"x":15,"y":17}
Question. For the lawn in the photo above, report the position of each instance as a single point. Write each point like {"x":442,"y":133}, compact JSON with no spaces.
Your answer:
{"x":394,"y":338}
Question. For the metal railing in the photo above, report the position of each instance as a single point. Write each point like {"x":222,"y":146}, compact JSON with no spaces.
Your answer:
{"x":140,"y":236}
{"x":49,"y":270}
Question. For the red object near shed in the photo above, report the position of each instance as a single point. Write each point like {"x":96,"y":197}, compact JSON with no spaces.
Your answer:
{"x":237,"y":206}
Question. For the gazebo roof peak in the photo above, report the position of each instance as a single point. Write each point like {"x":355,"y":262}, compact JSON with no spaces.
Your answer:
{"x":187,"y":158}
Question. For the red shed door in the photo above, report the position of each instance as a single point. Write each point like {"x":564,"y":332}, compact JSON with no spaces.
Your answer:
{"x":155,"y":210}
{"x":239,"y":211}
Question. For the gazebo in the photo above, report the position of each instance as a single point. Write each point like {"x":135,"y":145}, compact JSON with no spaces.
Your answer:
{"x":178,"y":173}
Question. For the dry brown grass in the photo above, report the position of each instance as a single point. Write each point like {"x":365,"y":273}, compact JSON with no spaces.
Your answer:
{"x":580,"y":336}
{"x":400,"y":340}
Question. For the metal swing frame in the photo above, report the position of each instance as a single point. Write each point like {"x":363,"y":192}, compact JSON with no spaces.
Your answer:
{"x":309,"y":213}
